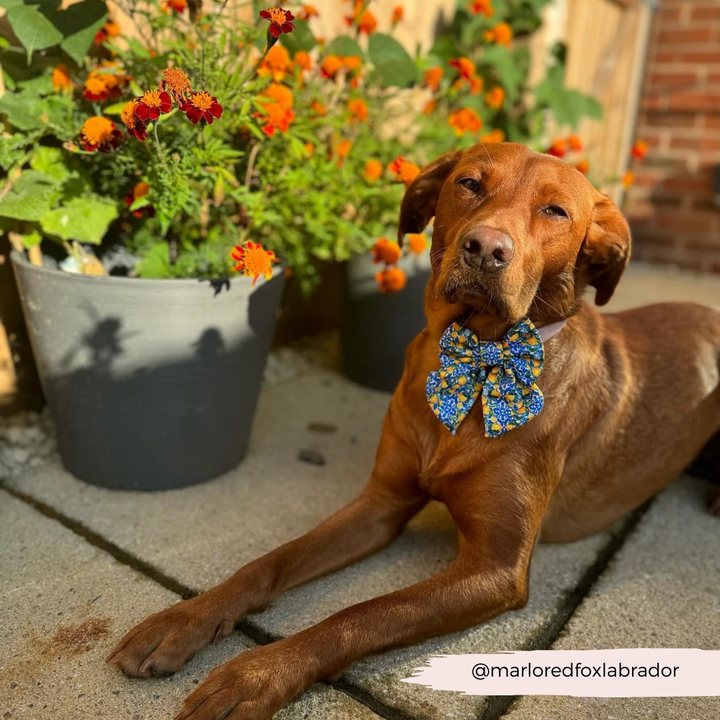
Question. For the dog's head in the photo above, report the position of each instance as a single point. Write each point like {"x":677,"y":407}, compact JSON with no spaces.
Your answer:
{"x":516,"y":232}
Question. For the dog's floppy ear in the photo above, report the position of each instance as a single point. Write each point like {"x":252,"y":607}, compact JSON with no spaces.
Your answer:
{"x":420,"y":199}
{"x":606,"y":249}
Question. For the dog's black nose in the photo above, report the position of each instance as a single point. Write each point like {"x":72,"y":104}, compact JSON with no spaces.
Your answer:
{"x":487,"y":248}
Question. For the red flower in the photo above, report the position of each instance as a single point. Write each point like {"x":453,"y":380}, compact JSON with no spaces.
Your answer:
{"x":280,"y":21}
{"x":152,"y":105}
{"x":136,"y":127}
{"x":201,"y":106}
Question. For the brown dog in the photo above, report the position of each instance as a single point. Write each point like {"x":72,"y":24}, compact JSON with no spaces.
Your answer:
{"x":630,"y":399}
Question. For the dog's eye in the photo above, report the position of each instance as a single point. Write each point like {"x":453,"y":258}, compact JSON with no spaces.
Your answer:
{"x":471,"y":184}
{"x":553,"y":211}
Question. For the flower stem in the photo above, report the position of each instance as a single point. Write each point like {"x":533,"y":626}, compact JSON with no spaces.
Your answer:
{"x":159,"y":147}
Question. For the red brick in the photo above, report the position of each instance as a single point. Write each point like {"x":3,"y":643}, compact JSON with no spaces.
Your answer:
{"x":706,"y":12}
{"x":701,"y":57}
{"x":695,"y":35}
{"x":685,"y":223}
{"x":712,"y":122}
{"x":669,"y":119}
{"x":695,"y":143}
{"x":666,"y":79}
{"x":665,"y":16}
{"x":704,"y":246}
{"x":690,"y":101}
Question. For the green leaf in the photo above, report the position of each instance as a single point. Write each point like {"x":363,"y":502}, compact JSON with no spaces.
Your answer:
{"x":79,"y":24}
{"x":301,"y":38}
{"x":30,"y":239}
{"x":33,"y":29}
{"x":49,"y":161}
{"x":507,"y":66}
{"x":114,"y":109}
{"x":85,"y":219}
{"x":393,"y":65}
{"x":343,"y":45}
{"x":7,"y":4}
{"x":443,"y":51}
{"x":30,"y":199}
{"x":156,"y":262}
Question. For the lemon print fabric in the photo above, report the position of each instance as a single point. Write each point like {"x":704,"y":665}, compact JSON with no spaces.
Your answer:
{"x":501,"y":373}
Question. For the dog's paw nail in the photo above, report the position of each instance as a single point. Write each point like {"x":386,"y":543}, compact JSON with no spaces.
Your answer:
{"x":223,"y":630}
{"x":147,"y":665}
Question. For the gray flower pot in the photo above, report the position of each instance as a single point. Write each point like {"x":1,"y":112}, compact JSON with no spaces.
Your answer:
{"x":152,"y":384}
{"x":377,"y":328}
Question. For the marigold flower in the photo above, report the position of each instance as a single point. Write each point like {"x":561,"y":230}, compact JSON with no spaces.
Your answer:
{"x":330,"y":66}
{"x":465,"y":120}
{"x":482,"y":7}
{"x":176,"y":6}
{"x":476,"y":85}
{"x":302,"y":61}
{"x":397,"y":16}
{"x":386,"y":251}
{"x":639,"y":149}
{"x":417,"y":242}
{"x":96,"y":87}
{"x":140,"y":190}
{"x":99,"y":133}
{"x":628,"y":179}
{"x":373,"y":170}
{"x":501,"y":34}
{"x":358,"y":109}
{"x":152,"y":105}
{"x":176,"y":82}
{"x":277,"y":113}
{"x":494,"y":136}
{"x":558,"y":148}
{"x":495,"y":97}
{"x":281,"y":94}
{"x":280,"y":21}
{"x":253,"y":260}
{"x":309,"y":148}
{"x":276,"y":63}
{"x":366,"y":24}
{"x":352,"y":62}
{"x":318,"y":108}
{"x":403,"y":170}
{"x":391,"y":280}
{"x":583,"y":166}
{"x":201,"y":106}
{"x":343,"y":149}
{"x":136,"y":127}
{"x":307,"y":12}
{"x":432,"y":78}
{"x":465,"y":67}
{"x":109,"y":30}
{"x":430,"y":106}
{"x":575,"y":143}
{"x":61,"y":78}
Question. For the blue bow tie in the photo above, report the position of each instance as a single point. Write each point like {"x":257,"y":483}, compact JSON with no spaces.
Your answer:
{"x":503,"y":372}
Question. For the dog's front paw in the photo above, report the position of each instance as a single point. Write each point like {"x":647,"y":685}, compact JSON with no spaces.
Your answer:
{"x":164,"y":642}
{"x":252,"y":686}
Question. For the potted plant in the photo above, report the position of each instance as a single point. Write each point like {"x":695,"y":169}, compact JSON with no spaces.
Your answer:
{"x":151,"y":180}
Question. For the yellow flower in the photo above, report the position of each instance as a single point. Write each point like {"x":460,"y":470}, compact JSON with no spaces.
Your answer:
{"x":253,"y":260}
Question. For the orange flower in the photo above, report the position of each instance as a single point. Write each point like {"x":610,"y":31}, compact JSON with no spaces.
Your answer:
{"x":575,"y":143}
{"x":343,"y":149}
{"x":352,"y":62}
{"x":433,"y":76}
{"x":175,"y":5}
{"x":494,"y":136}
{"x":627,"y":179}
{"x":403,"y":170}
{"x":253,"y":260}
{"x":501,"y":34}
{"x":583,"y":166}
{"x":176,"y":82}
{"x":386,"y":251}
{"x":276,"y":63}
{"x":495,"y":97}
{"x":99,"y":133}
{"x":391,"y":280}
{"x":134,"y":125}
{"x":481,"y":7}
{"x":302,"y":61}
{"x":307,"y":12}
{"x":558,"y":148}
{"x":417,"y":242}
{"x":465,"y":120}
{"x":639,"y":149}
{"x":96,"y":87}
{"x":367,"y":23}
{"x":358,"y":109}
{"x":140,"y":190}
{"x":280,"y":94}
{"x":61,"y":78}
{"x":465,"y":67}
{"x":397,"y":16}
{"x":318,"y":108}
{"x":309,"y":148}
{"x":476,"y":85}
{"x":277,"y":113}
{"x":109,"y":30}
{"x":331,"y":65}
{"x":373,"y":170}
{"x":430,"y":106}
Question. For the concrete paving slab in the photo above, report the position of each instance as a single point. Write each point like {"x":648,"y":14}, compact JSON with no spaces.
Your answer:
{"x":64,"y":603}
{"x":660,"y":590}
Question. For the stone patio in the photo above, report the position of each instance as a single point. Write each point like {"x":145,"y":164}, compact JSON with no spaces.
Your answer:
{"x":82,"y":564}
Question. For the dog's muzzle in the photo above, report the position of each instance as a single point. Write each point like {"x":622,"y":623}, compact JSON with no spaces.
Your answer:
{"x":486,"y":249}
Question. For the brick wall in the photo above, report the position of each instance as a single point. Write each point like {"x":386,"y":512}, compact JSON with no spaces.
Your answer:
{"x":670,"y":204}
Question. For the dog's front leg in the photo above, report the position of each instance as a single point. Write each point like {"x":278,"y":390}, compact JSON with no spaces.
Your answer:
{"x":498,"y":517}
{"x":164,"y":642}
